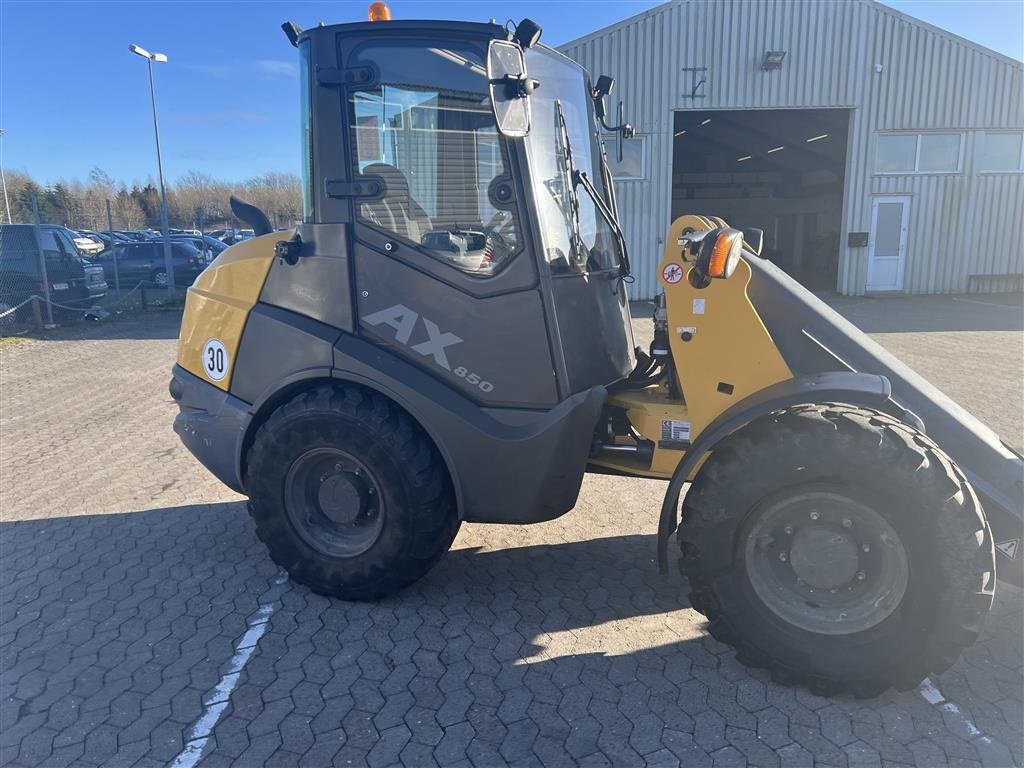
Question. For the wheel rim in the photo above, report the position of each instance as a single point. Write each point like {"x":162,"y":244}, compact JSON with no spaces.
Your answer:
{"x":334,"y":502}
{"x":826,"y":563}
{"x":160,"y":278}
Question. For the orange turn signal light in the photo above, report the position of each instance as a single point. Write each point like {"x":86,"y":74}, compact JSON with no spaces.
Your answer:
{"x":720,"y":252}
{"x":725,"y":245}
{"x":379,"y":11}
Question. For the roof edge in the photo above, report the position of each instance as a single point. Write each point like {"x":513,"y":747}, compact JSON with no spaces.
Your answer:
{"x":953,"y":36}
{"x":655,"y":11}
{"x":872,"y":4}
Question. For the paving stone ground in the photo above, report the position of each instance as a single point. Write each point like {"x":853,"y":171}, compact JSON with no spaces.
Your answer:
{"x":132,"y":586}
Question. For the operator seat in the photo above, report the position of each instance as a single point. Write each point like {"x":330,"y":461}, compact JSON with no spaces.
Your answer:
{"x":396,"y":211}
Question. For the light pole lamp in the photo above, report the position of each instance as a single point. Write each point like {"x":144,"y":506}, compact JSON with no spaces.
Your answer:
{"x":168,"y":265}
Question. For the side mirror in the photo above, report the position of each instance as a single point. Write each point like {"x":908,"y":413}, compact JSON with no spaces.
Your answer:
{"x":509,"y":87}
{"x":753,"y":239}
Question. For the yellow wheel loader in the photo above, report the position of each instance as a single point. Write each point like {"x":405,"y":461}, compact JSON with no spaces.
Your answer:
{"x":446,"y":337}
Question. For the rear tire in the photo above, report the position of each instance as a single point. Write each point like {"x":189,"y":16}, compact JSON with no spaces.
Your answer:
{"x":348,"y":494}
{"x":839,"y":548}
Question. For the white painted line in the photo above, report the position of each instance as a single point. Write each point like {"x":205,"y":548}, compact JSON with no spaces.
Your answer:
{"x":989,"y":304}
{"x":934,"y":696}
{"x":931,"y":694}
{"x":972,"y":729}
{"x":217,"y":700}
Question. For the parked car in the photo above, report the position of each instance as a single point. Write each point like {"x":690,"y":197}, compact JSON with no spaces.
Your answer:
{"x":210,"y":247}
{"x":232,"y":236}
{"x":144,"y":262}
{"x":73,"y":281}
{"x":86,"y":243}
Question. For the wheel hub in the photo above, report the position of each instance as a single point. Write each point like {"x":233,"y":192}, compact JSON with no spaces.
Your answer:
{"x":343,"y":497}
{"x":826,"y":563}
{"x":823,"y":556}
{"x":334,"y":502}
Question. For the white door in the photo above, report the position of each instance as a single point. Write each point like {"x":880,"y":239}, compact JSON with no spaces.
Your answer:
{"x":887,"y":245}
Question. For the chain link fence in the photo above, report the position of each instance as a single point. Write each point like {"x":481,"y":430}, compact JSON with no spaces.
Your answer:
{"x":46,"y":282}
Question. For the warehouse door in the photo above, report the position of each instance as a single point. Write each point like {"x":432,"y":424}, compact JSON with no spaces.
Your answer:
{"x":782,"y":170}
{"x":887,"y":246}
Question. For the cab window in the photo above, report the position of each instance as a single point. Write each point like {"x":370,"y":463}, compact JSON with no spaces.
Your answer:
{"x":427,"y":131}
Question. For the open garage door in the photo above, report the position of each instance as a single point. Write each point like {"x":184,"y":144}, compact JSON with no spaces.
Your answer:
{"x":780,"y":170}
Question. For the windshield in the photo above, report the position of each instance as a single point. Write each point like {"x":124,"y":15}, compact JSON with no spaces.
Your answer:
{"x":563,"y":99}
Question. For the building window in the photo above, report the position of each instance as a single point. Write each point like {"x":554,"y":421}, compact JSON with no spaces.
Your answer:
{"x":634,"y":158}
{"x":1001,"y":152}
{"x":918,"y":152}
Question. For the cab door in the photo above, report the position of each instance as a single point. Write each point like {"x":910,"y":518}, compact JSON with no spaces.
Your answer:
{"x":442,"y":269}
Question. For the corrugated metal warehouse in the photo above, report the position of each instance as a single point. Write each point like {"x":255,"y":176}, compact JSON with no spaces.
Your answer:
{"x":877,"y":152}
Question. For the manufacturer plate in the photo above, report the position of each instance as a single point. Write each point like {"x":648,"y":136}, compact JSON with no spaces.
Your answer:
{"x":672,"y":430}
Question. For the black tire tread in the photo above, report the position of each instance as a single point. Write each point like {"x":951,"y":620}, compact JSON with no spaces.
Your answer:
{"x":436,"y":519}
{"x":968,"y":555}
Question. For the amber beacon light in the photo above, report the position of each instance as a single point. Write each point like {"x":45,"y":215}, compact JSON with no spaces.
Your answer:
{"x":379,"y":11}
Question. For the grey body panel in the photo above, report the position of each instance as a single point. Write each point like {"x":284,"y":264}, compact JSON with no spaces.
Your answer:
{"x":279,"y":348}
{"x":507,"y":466}
{"x":212,"y":424}
{"x":318,"y":285}
{"x":502,"y":473}
{"x":502,"y":339}
{"x":813,"y":337}
{"x":593,"y":328}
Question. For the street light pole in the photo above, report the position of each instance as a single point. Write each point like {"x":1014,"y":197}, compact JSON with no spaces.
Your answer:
{"x":168,"y":264}
{"x":4,"y":180}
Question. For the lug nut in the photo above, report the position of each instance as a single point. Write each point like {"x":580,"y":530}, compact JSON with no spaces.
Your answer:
{"x":783,"y":556}
{"x":847,"y":522}
{"x":789,"y":530}
{"x":815,"y":515}
{"x":861,"y":575}
{"x":866,"y":547}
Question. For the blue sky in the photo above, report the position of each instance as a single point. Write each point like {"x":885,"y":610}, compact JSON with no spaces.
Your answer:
{"x":73,"y":97}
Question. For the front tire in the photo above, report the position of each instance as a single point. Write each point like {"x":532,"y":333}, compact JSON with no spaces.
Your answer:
{"x":839,"y":548}
{"x":348,"y":493}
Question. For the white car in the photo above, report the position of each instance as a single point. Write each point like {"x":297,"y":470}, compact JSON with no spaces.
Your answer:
{"x":87,"y":244}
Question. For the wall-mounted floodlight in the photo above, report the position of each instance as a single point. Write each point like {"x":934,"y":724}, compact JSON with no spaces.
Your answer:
{"x":772,"y":60}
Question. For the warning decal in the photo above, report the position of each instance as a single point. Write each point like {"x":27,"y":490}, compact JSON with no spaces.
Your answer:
{"x":1009,"y":547}
{"x":677,"y":431}
{"x":672,"y":273}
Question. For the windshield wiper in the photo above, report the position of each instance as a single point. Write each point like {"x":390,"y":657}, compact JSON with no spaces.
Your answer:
{"x":578,"y":246}
{"x":580,"y":178}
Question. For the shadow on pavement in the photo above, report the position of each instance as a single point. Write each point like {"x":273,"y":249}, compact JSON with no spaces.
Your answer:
{"x":113,"y":628}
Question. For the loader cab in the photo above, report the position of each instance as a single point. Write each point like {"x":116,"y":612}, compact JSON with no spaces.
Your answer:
{"x":473,"y":251}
